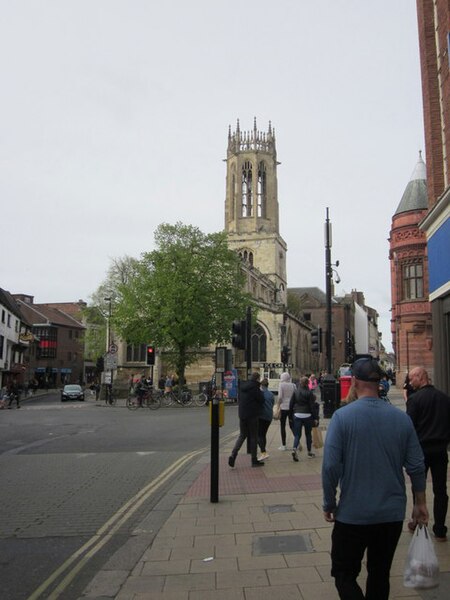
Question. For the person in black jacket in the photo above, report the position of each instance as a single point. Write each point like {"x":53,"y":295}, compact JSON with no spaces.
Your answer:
{"x":429,"y":410}
{"x":251,"y":400}
{"x":303,"y":411}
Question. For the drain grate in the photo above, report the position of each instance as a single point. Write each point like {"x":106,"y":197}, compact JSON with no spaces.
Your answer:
{"x":279,"y":508}
{"x":281,"y":544}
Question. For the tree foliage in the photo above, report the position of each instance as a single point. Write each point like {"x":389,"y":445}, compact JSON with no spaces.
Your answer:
{"x":182,"y":296}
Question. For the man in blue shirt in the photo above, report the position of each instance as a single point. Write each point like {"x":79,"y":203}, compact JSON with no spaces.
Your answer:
{"x":368,"y":443}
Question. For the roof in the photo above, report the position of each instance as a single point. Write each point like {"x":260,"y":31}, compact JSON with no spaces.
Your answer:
{"x":314,"y":292}
{"x":415,"y":195}
{"x":7,"y":300}
{"x":42,"y":313}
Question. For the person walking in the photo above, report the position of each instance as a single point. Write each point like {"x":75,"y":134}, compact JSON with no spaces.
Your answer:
{"x":14,"y":394}
{"x":285,"y":390}
{"x":429,"y":409}
{"x":368,"y":443}
{"x":303,"y":410}
{"x":251,"y":400}
{"x":265,"y":418}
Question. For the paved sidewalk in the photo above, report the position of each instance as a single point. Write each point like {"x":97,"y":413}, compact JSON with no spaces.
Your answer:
{"x":265,"y":539}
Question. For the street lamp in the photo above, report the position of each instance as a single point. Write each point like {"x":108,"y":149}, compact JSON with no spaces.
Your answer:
{"x":108,"y":345}
{"x":329,"y":382}
{"x":108,"y":324}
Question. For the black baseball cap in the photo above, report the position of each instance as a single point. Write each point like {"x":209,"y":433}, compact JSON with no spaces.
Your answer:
{"x":367,"y":369}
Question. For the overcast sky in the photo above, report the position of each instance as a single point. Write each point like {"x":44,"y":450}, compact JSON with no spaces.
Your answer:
{"x":115,"y":114}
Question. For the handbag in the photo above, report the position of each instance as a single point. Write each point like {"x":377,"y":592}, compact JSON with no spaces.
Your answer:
{"x":421,"y":566}
{"x":276,"y":412}
{"x":317,"y":438}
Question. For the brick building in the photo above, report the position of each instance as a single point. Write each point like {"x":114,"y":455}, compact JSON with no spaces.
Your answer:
{"x":57,"y":357}
{"x":411,"y":313}
{"x":434,"y":44}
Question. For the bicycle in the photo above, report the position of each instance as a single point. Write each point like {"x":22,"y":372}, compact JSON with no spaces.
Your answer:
{"x":201,"y":399}
{"x":175,"y":397}
{"x":149,"y":399}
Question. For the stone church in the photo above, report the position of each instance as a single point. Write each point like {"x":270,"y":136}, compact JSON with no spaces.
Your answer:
{"x":252,"y":225}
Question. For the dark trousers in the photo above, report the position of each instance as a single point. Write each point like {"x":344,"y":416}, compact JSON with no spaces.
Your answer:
{"x":308,"y":425}
{"x":436,"y":461}
{"x":248,"y":428}
{"x":349,"y":543}
{"x":263,"y":426}
{"x":283,"y":417}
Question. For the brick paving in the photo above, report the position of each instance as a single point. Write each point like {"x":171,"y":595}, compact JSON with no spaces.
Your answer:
{"x":236,"y":549}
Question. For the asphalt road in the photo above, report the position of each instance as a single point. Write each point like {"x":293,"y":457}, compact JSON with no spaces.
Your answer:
{"x":80,"y":479}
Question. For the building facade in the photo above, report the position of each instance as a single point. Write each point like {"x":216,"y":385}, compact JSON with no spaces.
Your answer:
{"x":411,"y":325}
{"x":434,"y":45}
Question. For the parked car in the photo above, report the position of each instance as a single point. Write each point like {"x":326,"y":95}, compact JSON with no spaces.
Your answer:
{"x":72,"y":392}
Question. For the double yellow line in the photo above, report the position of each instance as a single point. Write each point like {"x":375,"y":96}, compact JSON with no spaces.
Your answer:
{"x":104,"y":534}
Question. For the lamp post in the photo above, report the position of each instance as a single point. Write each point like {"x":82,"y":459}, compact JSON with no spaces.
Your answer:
{"x":329,"y":388}
{"x":108,"y":344}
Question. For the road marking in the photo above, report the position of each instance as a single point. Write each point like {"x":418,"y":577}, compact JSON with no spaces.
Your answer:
{"x":105,"y":533}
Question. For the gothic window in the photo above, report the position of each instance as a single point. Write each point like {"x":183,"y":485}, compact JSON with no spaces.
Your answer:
{"x":233,"y":197}
{"x":247,"y":189}
{"x":413,"y":281}
{"x":261,"y":190}
{"x":259,"y":344}
{"x":136,"y":352}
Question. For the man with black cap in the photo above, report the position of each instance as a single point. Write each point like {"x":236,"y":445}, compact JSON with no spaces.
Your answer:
{"x":368,"y":444}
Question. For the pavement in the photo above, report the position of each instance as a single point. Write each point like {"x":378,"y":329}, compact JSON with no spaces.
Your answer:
{"x":264,"y":539}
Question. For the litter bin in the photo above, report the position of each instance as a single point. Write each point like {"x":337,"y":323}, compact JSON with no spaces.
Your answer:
{"x":330,"y":395}
{"x":345,"y":382}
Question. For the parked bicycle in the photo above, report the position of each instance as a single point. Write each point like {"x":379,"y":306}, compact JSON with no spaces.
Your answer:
{"x":149,"y":399}
{"x":201,"y":399}
{"x":183,"y":397}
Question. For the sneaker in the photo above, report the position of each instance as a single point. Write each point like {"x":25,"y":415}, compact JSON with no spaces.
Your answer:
{"x":257,"y":464}
{"x":294,"y":455}
{"x":263,"y":456}
{"x":231,"y":461}
{"x":311,"y":455}
{"x":282,"y":448}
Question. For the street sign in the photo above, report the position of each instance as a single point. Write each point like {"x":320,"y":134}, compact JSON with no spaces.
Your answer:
{"x":110,"y":361}
{"x":113,"y":348}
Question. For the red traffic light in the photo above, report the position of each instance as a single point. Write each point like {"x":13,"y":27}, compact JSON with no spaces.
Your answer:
{"x":150,"y":355}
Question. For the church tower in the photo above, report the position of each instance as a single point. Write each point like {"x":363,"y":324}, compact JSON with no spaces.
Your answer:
{"x":251,"y":204}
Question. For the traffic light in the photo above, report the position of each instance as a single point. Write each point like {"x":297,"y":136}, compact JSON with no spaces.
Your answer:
{"x":239,"y":337}
{"x":150,"y":354}
{"x":316,"y":340}
{"x":285,"y":351}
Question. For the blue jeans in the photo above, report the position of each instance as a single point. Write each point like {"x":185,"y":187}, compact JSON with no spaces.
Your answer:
{"x":308,"y":425}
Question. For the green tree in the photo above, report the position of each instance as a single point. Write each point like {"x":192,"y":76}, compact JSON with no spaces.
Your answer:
{"x":96,"y":314}
{"x":183,"y":296}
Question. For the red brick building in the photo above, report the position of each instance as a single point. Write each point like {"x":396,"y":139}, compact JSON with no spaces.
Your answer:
{"x":411,"y":312}
{"x":434,"y":43}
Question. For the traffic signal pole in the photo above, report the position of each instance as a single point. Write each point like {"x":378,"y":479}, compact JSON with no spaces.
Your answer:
{"x":248,"y":341}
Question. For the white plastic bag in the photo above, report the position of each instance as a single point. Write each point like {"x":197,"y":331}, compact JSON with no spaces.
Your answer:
{"x":421,"y":566}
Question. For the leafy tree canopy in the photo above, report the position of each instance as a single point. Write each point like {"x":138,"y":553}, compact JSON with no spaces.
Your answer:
{"x":182,"y":296}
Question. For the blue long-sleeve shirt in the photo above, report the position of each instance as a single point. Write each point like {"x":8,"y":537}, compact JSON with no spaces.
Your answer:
{"x":368,"y":443}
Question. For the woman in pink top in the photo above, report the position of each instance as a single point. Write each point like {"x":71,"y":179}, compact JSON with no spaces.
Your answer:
{"x":285,"y":390}
{"x":313,"y":383}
